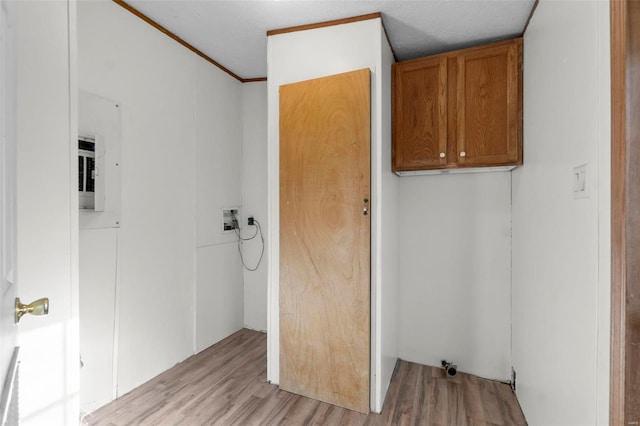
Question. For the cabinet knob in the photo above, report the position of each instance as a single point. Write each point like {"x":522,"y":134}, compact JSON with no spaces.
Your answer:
{"x":463,"y":154}
{"x":442,"y":155}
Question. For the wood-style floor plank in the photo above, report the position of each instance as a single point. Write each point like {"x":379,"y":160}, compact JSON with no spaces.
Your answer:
{"x":226,"y":385}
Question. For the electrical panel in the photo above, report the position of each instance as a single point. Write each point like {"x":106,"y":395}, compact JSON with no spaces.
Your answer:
{"x":99,"y":166}
{"x":90,"y":175}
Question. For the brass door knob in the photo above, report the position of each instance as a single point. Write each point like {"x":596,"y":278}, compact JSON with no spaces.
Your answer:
{"x":38,"y":307}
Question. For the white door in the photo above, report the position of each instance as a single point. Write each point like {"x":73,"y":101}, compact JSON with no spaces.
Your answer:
{"x":45,"y":222}
{"x":8,"y":266}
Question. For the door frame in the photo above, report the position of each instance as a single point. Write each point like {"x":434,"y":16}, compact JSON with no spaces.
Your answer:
{"x":625,"y":202}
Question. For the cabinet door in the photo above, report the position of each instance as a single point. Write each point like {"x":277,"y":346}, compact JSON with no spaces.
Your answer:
{"x":420,"y":114}
{"x":489,"y":108}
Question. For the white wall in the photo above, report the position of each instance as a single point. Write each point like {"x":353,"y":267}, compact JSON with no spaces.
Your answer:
{"x":181,"y":162}
{"x":97,"y":315}
{"x":455,"y":271}
{"x":561,"y":248}
{"x":388,"y":273}
{"x":99,"y":118}
{"x":47,"y":213}
{"x":218,"y":128}
{"x":254,"y":200}
{"x":304,"y":55}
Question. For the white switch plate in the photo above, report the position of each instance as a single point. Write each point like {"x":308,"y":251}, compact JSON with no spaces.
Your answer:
{"x":580,"y":180}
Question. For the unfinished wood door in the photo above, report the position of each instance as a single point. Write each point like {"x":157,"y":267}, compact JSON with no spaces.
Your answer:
{"x":325,"y":239}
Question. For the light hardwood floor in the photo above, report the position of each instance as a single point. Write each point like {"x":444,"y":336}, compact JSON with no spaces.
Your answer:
{"x":226,"y":385}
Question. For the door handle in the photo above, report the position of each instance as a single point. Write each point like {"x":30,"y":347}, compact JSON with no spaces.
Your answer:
{"x":38,"y":307}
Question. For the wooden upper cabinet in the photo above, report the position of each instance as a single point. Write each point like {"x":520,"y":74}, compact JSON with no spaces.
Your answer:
{"x":459,"y":109}
{"x":489,"y":115}
{"x":420,"y":105}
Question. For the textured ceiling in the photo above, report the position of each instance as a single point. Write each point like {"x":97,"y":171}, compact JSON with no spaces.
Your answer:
{"x":233,"y":32}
